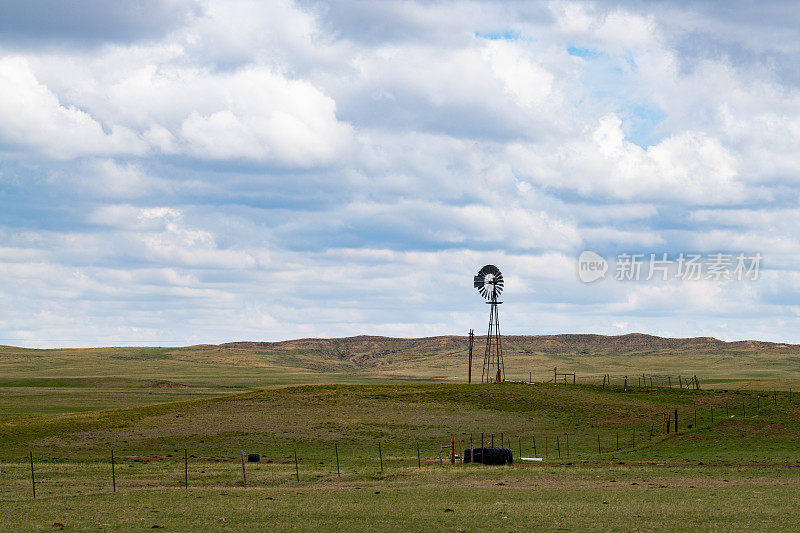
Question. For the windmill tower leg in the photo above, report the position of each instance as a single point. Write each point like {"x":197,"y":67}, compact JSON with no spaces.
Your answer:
{"x":501,"y":370}
{"x":493,"y":371}
{"x":486,"y":374}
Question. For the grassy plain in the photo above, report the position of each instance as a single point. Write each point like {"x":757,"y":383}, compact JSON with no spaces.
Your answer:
{"x":504,"y":500}
{"x":373,"y":402}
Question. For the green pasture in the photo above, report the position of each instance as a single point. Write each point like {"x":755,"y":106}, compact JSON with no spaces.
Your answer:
{"x":372,"y":439}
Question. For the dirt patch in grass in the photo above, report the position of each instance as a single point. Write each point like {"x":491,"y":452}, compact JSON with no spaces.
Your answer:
{"x":758,"y":428}
{"x":163,"y":384}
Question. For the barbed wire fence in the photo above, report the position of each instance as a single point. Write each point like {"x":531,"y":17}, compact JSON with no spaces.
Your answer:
{"x":42,"y":474}
{"x":623,"y":381}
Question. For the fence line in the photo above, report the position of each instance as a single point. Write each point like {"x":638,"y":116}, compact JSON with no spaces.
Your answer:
{"x":45,"y":475}
{"x":626,"y":382}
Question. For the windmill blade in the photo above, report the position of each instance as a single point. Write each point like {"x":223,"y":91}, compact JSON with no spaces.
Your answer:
{"x":478,"y":281}
{"x":498,"y":279}
{"x":490,"y":269}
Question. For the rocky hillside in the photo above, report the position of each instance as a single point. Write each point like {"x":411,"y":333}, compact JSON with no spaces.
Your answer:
{"x":365,"y":348}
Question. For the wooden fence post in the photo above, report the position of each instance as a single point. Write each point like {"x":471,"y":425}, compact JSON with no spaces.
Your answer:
{"x":113,"y":474}
{"x":598,"y":443}
{"x":419,"y":462}
{"x":380,"y":455}
{"x":336,"y":447}
{"x":185,"y":468}
{"x":558,"y":447}
{"x":534,"y":446}
{"x":296,"y":467}
{"x":469,"y":371}
{"x":676,"y":420}
{"x":33,"y":479}
{"x":244,"y":471}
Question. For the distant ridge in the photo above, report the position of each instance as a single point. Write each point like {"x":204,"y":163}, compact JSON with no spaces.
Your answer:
{"x":577,"y":343}
{"x":368,"y":346}
{"x":442,"y":357}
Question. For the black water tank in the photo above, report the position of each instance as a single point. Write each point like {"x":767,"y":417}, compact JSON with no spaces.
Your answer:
{"x":489,"y":456}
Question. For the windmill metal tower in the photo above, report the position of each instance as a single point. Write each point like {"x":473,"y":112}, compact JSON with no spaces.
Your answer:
{"x":489,"y":283}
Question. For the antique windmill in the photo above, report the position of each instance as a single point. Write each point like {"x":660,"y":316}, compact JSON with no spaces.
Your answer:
{"x":489,"y":283}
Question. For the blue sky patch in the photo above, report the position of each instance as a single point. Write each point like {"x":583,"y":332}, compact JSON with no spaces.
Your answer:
{"x":640,"y":124}
{"x":585,"y":53}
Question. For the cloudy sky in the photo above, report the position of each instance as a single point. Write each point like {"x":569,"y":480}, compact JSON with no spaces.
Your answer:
{"x":177,"y":172}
